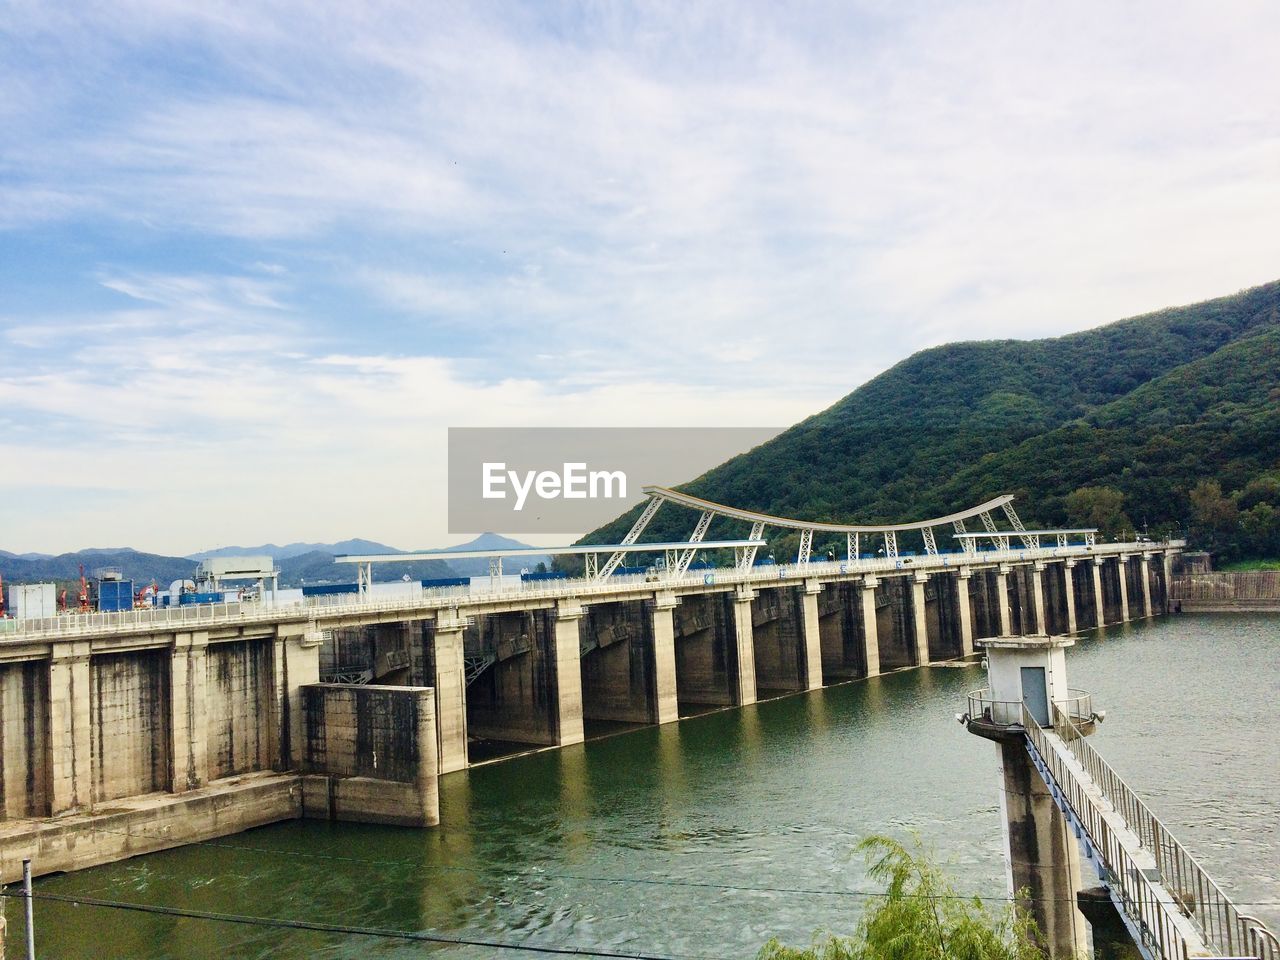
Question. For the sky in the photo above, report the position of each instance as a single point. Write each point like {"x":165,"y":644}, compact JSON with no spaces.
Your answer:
{"x":255,"y":259}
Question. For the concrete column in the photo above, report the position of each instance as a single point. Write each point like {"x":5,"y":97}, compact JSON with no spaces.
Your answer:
{"x":921,"y":617}
{"x":1002,"y":593}
{"x":745,"y":689}
{"x":1069,"y":579}
{"x":69,"y":728}
{"x":568,"y":657}
{"x":1041,"y":853}
{"x":966,"y":614}
{"x":450,"y":682}
{"x":1168,"y":578}
{"x":812,"y":639}
{"x":1146,"y":586}
{"x":297,"y":663}
{"x":1037,"y":592}
{"x":667,"y":707}
{"x":1122,"y":565}
{"x":870,"y":628}
{"x":1096,"y":567}
{"x":188,"y":714}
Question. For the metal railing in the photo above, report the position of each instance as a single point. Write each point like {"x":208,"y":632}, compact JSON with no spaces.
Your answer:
{"x":1078,"y":704}
{"x":142,"y":621}
{"x":1192,"y":893}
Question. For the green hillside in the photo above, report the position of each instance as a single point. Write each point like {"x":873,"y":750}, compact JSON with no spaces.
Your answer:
{"x":1145,"y":409}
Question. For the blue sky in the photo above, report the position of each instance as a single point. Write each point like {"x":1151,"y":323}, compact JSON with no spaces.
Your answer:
{"x":256,"y":258}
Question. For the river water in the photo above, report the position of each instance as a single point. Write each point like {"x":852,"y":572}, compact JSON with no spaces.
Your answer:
{"x":706,"y":837}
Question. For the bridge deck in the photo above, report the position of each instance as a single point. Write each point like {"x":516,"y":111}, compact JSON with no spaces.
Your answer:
{"x":1173,"y":909}
{"x":322,"y":611}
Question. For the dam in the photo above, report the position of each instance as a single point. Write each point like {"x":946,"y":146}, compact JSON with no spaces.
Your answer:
{"x":167,"y":726}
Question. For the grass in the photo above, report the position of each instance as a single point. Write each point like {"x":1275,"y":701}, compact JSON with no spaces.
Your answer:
{"x":1242,"y":566}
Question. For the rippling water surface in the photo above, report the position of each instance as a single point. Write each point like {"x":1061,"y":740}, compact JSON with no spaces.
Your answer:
{"x":725,"y":829}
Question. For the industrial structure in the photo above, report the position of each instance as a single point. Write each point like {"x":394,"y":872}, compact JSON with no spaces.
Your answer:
{"x":1064,"y":807}
{"x":142,"y":729}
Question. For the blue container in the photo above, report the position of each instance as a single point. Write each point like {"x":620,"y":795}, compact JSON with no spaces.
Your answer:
{"x":328,"y":589}
{"x":192,"y":598}
{"x":549,"y":575}
{"x":629,"y":571}
{"x":115,"y":595}
{"x":447,"y":582}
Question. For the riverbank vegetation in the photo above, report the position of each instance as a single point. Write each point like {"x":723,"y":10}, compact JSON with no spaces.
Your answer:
{"x":919,"y":917}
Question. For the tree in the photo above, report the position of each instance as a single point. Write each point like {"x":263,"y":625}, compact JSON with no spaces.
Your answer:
{"x":1260,"y":527}
{"x":1214,"y":518}
{"x":920,"y":917}
{"x":1098,"y":507}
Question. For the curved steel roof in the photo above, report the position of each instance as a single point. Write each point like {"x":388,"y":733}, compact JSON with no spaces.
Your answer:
{"x":697,"y":503}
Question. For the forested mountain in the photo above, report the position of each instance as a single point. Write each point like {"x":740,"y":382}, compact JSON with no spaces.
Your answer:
{"x":1116,"y":425}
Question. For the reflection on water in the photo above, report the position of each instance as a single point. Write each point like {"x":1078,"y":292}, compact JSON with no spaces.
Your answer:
{"x":716,"y":822}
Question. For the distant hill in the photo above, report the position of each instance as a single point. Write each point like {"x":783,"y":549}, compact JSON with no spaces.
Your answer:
{"x":479,"y":566}
{"x":290,"y":550}
{"x":134,"y":565}
{"x":297,"y":566}
{"x":1145,"y":408}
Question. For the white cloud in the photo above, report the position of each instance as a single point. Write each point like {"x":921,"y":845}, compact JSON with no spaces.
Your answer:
{"x":729,"y":212}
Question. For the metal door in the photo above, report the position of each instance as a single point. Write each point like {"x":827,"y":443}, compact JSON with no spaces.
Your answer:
{"x":1035,"y":694}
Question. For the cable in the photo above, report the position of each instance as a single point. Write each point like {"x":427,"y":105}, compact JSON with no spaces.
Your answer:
{"x":651,"y":881}
{"x":352,"y":930}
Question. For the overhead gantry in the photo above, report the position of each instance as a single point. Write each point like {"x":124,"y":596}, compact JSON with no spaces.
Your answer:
{"x":853,"y":533}
{"x":678,"y":556}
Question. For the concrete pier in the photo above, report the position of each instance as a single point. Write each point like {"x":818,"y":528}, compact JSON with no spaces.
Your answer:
{"x":870,"y":626}
{"x":1002,"y":586}
{"x":1123,"y":572}
{"x":1037,"y":588}
{"x":1099,"y":600}
{"x":812,"y":633}
{"x":920,"y":621}
{"x":744,"y":689}
{"x":451,"y":690}
{"x":666,"y":700}
{"x":966,"y":613}
{"x":1041,"y":854}
{"x":1145,"y":567}
{"x":1069,"y":595}
{"x":568,"y":674}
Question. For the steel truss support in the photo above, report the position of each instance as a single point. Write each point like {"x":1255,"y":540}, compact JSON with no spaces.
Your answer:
{"x":966,"y":544}
{"x":637,"y":528}
{"x":495,"y":568}
{"x":930,"y":544}
{"x":891,"y":544}
{"x":1062,"y":539}
{"x":747,"y":556}
{"x":1030,"y":543}
{"x":686,"y":557}
{"x":806,"y":547}
{"x":988,"y":522}
{"x":591,"y":566}
{"x":852,"y":545}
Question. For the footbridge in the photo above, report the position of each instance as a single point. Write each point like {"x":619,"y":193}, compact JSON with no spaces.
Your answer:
{"x":193,"y":700}
{"x":1055,"y":788}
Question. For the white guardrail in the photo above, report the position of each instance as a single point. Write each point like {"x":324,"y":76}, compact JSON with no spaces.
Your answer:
{"x":336,"y":605}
